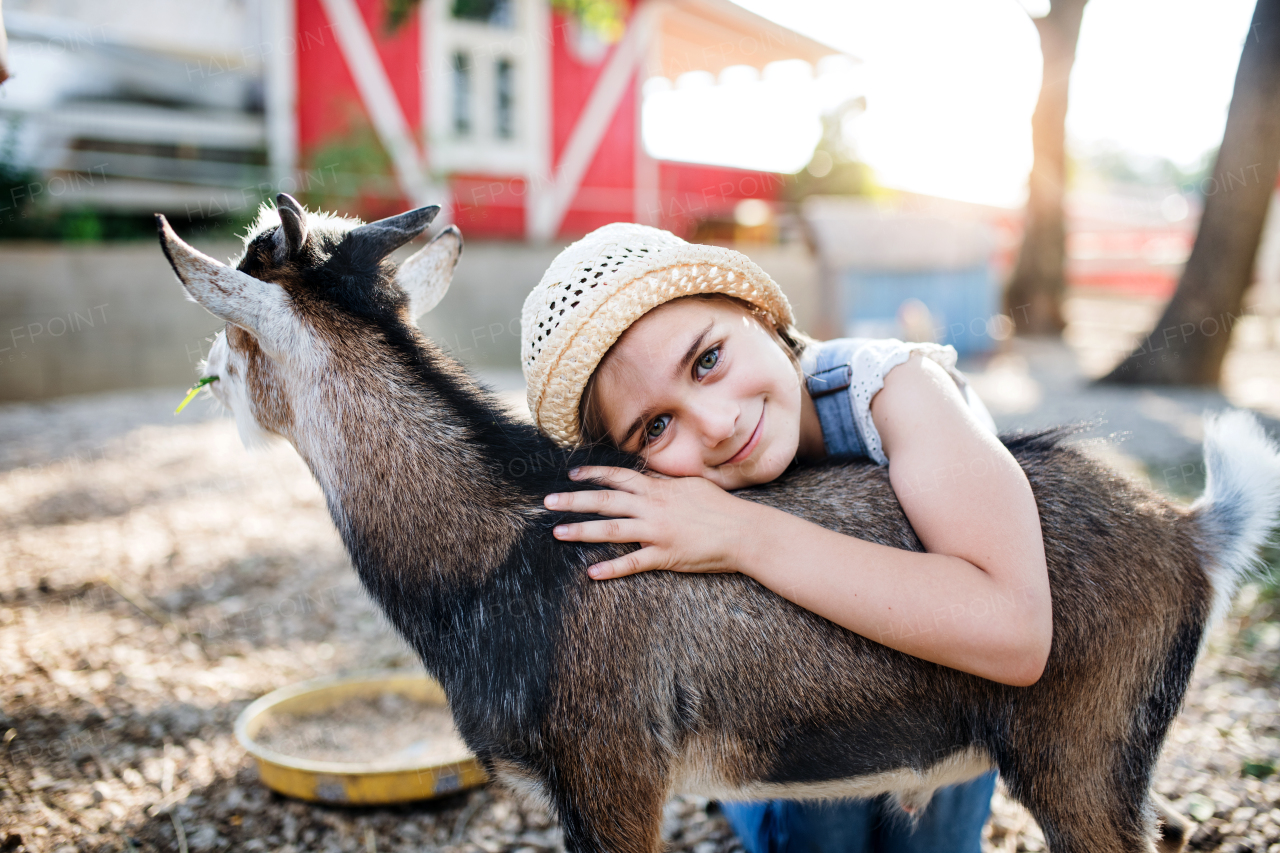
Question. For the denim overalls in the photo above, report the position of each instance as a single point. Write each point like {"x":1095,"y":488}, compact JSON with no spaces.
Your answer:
{"x":953,"y":821}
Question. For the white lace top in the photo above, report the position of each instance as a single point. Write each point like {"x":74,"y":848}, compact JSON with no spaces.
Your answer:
{"x":875,"y":357}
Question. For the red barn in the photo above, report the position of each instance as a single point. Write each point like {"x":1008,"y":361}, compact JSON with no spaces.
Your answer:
{"x":524,"y":119}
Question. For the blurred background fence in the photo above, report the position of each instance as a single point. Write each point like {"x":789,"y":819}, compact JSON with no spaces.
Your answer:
{"x":531,"y":122}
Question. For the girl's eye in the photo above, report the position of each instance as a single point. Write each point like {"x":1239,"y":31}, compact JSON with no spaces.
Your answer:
{"x":708,"y":359}
{"x":657,"y":427}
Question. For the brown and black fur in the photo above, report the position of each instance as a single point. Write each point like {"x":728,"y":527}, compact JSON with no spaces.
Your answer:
{"x":606,"y":697}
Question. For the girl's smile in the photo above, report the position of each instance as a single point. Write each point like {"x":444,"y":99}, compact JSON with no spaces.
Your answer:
{"x":742,"y":454}
{"x":700,"y":388}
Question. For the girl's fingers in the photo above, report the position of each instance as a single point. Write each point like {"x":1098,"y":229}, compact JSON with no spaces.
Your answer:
{"x":598,"y":501}
{"x":644,"y":560}
{"x":619,"y":478}
{"x":609,"y":530}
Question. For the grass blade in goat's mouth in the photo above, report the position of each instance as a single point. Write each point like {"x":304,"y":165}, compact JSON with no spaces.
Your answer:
{"x":194,"y":390}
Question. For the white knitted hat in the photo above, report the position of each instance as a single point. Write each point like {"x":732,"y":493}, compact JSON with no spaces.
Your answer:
{"x":596,"y":288}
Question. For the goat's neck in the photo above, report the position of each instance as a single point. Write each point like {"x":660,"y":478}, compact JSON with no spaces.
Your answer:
{"x":406,"y":458}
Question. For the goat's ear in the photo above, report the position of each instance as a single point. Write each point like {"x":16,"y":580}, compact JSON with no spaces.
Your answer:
{"x":373,"y":242}
{"x":292,"y":235}
{"x":426,"y":274}
{"x":223,"y":291}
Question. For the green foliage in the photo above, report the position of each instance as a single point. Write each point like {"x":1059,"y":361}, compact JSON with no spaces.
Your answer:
{"x":229,"y":226}
{"x":1258,"y":769}
{"x":835,"y":168}
{"x":86,"y":225}
{"x":607,"y":19}
{"x":81,"y":226}
{"x":476,"y":10}
{"x":21,"y":219}
{"x":485,"y":11}
{"x":844,"y":178}
{"x":351,"y":174}
{"x":1113,"y":165}
{"x":398,"y":12}
{"x":13,"y":199}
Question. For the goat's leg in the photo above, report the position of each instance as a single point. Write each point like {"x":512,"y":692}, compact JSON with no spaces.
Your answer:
{"x":1174,"y":828}
{"x":1078,"y":813}
{"x":620,"y":826}
{"x":610,"y":804}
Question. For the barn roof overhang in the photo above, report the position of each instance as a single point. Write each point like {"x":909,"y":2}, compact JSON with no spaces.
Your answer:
{"x":711,"y":35}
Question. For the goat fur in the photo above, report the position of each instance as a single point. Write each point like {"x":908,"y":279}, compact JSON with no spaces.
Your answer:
{"x":604,"y":698}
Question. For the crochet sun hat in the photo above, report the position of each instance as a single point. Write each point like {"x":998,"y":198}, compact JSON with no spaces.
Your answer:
{"x":597,"y":287}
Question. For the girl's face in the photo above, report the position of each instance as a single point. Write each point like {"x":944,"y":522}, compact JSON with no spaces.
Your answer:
{"x":699,"y":388}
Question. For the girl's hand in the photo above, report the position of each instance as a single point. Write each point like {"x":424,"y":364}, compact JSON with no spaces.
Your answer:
{"x":684,"y":524}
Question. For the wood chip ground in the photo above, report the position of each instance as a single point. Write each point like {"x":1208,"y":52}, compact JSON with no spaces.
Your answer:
{"x":157,"y":578}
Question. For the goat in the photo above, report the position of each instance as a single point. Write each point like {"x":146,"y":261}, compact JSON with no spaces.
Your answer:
{"x":604,"y":698}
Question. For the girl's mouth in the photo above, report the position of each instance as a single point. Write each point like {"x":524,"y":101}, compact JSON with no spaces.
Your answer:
{"x":750,"y":445}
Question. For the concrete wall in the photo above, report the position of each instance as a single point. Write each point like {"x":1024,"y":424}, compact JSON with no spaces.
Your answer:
{"x":96,"y":318}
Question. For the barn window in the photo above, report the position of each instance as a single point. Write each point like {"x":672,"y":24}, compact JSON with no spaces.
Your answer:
{"x":485,"y":103}
{"x":504,"y":86}
{"x":495,"y":13}
{"x":461,"y":93}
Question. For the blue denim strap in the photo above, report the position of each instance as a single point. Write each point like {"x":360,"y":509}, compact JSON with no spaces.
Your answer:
{"x":828,"y":370}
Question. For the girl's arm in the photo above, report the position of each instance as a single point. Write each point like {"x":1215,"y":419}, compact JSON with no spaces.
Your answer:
{"x":978,"y":601}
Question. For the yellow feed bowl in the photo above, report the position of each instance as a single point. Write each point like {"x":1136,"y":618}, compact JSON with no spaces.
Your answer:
{"x":350,"y":783}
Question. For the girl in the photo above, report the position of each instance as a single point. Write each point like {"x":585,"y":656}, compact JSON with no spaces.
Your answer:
{"x":687,"y":356}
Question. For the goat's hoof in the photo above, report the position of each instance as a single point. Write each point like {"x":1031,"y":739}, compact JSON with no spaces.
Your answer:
{"x":1174,"y":828}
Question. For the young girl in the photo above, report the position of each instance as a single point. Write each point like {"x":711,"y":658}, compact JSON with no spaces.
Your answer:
{"x":687,"y":356}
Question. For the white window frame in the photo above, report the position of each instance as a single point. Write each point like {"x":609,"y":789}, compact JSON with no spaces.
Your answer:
{"x":526,"y":46}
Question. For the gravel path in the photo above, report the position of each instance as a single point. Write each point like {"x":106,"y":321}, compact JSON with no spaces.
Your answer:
{"x":157,"y":577}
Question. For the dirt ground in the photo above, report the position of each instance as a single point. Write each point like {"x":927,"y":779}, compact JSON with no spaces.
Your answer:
{"x":157,"y":577}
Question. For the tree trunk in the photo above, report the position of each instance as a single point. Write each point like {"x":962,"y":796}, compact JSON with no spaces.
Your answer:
{"x":1189,"y":342}
{"x":1033,"y":298}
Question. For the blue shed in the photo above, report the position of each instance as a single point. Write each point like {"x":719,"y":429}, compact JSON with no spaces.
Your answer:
{"x":889,"y":271}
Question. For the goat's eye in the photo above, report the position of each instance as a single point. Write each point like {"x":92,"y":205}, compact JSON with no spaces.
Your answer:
{"x":709,"y":359}
{"x":657,"y":427}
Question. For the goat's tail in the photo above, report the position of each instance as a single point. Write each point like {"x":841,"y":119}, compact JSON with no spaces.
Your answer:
{"x":1241,"y":501}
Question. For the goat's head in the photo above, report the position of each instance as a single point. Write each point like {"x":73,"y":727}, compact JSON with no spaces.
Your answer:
{"x":309,"y":287}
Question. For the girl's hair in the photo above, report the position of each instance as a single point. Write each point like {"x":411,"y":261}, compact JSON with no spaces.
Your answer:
{"x":591,"y":421}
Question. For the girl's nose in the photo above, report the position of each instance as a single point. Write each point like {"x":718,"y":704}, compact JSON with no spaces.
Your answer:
{"x":717,"y":423}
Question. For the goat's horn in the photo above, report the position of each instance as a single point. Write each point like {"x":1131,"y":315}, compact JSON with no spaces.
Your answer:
{"x":378,"y":239}
{"x":293,"y":225}
{"x":223,"y":291}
